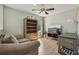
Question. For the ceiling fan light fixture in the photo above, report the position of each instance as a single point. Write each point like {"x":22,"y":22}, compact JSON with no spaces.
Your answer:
{"x":43,"y":9}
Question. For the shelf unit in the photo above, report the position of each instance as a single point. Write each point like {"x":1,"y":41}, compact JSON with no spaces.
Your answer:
{"x":30,"y":28}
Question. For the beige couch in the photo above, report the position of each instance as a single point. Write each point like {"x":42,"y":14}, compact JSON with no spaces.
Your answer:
{"x":14,"y":47}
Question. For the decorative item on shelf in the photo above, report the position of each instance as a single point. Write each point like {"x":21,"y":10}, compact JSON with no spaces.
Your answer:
{"x":32,"y":17}
{"x":27,"y":17}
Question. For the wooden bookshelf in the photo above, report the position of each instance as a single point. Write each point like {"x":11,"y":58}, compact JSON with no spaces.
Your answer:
{"x":30,"y":28}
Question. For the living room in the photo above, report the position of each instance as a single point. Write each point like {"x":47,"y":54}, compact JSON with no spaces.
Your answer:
{"x":48,"y":25}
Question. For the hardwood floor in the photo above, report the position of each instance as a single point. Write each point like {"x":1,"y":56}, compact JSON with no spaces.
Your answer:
{"x":48,"y":46}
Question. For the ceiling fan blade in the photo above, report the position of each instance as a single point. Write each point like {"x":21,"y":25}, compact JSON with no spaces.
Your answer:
{"x":35,"y":9}
{"x":40,"y":12}
{"x":46,"y":12}
{"x":49,"y":9}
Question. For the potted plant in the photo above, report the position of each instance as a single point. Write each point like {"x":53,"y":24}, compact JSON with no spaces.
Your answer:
{"x":45,"y":34}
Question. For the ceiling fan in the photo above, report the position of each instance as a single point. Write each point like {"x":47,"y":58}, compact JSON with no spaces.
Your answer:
{"x":43,"y":10}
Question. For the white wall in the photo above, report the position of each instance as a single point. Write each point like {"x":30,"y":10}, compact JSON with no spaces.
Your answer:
{"x":61,"y":19}
{"x":13,"y":20}
{"x":1,"y":17}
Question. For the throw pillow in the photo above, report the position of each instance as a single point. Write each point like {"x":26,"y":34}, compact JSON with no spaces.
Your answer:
{"x":8,"y":40}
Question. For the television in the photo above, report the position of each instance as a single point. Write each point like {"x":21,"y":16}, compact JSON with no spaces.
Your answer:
{"x":55,"y":29}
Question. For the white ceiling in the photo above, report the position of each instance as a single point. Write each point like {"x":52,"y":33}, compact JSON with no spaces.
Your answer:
{"x":28,"y":7}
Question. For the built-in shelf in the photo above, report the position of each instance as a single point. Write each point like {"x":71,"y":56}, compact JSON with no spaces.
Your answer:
{"x":30,"y":27}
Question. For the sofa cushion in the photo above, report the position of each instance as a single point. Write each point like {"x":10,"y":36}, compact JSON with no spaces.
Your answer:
{"x":23,"y":40}
{"x":0,"y":40}
{"x":14,"y":39}
{"x":1,"y":36}
{"x":7,"y":35}
{"x":9,"y":38}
